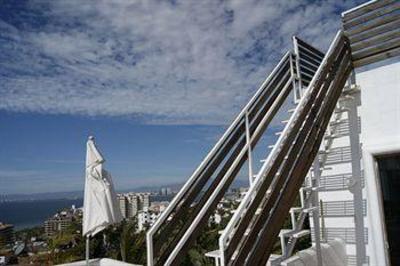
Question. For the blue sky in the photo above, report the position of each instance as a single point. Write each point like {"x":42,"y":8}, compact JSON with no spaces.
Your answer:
{"x":47,"y":152}
{"x":156,"y":82}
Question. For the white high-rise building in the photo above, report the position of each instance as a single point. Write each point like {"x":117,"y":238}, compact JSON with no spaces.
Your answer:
{"x":145,"y":198}
{"x":123,"y":205}
{"x":133,"y":205}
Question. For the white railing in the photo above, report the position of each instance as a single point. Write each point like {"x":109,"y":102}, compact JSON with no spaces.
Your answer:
{"x":250,"y":195}
{"x":219,"y":188}
{"x":167,"y":212}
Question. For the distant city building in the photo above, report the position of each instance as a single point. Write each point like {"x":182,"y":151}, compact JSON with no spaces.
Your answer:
{"x":123,"y":205}
{"x":6,"y":234}
{"x":148,"y":216}
{"x":133,"y":205}
{"x":146,"y":219}
{"x":56,"y":224}
{"x":158,"y":206}
{"x":145,"y":201}
{"x":61,"y":221}
{"x":165,"y":191}
{"x":162,"y":191}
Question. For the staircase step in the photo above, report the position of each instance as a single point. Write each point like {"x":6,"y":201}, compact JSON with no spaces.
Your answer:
{"x":309,"y":210}
{"x":301,"y":233}
{"x":341,"y":110}
{"x":348,"y":88}
{"x":300,"y":209}
{"x":337,"y":122}
{"x":296,"y":209}
{"x":322,"y":168}
{"x":293,"y":233}
{"x":310,"y":188}
{"x":331,"y":136}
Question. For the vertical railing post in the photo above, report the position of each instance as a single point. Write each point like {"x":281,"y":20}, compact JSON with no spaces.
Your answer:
{"x":149,"y":244}
{"x":298,"y":90}
{"x":249,"y":153}
{"x":355,"y":185}
{"x":321,"y":209}
{"x":315,"y":183}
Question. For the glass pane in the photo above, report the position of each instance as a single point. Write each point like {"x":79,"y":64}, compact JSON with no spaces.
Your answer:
{"x":389,"y":172}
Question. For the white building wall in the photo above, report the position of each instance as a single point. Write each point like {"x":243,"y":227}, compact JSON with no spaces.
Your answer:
{"x":380,"y":108}
{"x":380,"y":134}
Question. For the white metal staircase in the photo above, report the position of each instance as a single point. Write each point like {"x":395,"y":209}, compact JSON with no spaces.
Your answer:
{"x":271,"y":192}
{"x":249,"y":242}
{"x":186,"y":215}
{"x":302,"y":155}
{"x":308,"y":194}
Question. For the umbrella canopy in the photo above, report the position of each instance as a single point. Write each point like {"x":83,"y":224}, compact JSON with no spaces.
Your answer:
{"x":100,"y":206}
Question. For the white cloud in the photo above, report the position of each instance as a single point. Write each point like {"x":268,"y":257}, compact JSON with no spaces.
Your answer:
{"x":187,"y":62}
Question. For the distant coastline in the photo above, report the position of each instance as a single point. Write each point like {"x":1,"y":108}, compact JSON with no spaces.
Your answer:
{"x":31,"y":213}
{"x":73,"y":195}
{"x":30,"y":210}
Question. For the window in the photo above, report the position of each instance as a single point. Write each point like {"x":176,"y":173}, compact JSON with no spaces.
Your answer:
{"x":389,"y":175}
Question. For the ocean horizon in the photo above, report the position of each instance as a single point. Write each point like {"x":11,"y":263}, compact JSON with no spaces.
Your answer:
{"x":26,"y":214}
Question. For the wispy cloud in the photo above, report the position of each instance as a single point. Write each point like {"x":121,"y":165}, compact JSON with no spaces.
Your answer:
{"x":175,"y":62}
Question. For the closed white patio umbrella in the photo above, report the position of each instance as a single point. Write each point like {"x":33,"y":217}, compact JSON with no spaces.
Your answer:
{"x":100,"y":206}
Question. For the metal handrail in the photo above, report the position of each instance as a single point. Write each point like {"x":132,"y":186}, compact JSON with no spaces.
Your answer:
{"x":300,"y":158}
{"x":164,"y":216}
{"x":238,"y":215}
{"x":205,"y":208}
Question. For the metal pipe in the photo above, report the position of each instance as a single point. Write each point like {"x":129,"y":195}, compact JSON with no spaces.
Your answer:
{"x":87,"y":250}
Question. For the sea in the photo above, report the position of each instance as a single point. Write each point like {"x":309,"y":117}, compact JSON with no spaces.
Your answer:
{"x":26,"y":214}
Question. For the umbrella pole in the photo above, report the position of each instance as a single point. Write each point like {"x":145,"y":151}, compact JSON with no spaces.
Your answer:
{"x":87,"y":250}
